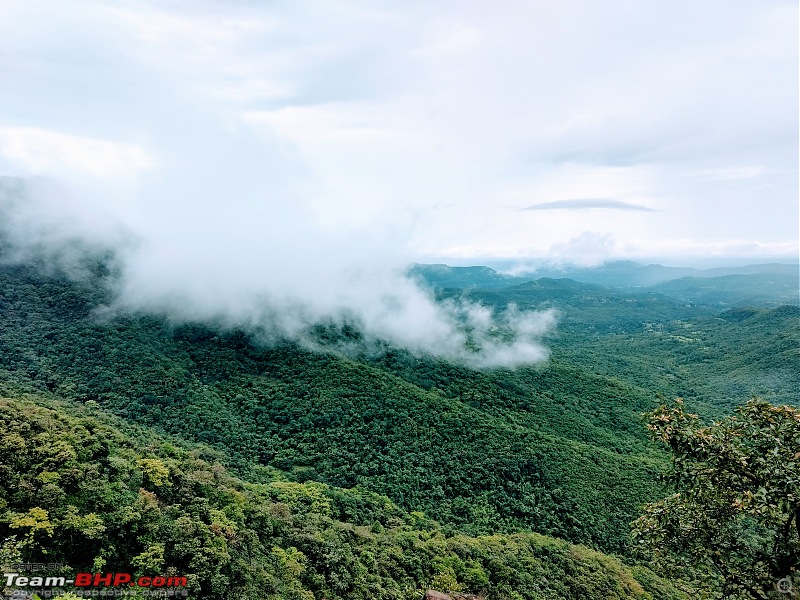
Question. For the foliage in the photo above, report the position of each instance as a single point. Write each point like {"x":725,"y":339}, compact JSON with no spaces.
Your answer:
{"x":88,"y":505}
{"x":555,"y":450}
{"x":559,"y":450}
{"x":342,"y":461}
{"x":735,"y":516}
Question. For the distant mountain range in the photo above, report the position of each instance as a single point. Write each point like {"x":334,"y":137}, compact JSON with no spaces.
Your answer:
{"x":764,"y":284}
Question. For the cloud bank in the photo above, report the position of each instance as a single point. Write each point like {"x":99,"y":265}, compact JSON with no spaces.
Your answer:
{"x":266,"y":270}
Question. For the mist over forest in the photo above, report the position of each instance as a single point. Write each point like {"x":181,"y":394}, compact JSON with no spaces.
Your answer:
{"x":331,"y":301}
{"x":335,"y":425}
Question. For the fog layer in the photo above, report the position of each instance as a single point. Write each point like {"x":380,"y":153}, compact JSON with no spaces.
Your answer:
{"x":195,"y":243}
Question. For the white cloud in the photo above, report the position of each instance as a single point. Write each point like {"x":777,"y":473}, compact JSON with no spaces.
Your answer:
{"x":43,"y":152}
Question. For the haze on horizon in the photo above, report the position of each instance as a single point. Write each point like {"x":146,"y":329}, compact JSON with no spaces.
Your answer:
{"x":307,"y":152}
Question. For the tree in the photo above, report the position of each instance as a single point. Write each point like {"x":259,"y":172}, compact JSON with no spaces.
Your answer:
{"x":733,"y":524}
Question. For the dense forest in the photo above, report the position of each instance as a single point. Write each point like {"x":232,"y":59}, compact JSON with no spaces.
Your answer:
{"x":90,"y":492}
{"x":279,"y":471}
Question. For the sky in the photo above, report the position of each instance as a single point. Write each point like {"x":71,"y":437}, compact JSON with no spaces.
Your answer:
{"x":466,"y":128}
{"x":252,"y":148}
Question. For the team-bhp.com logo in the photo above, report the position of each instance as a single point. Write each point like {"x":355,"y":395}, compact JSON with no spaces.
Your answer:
{"x":91,"y":584}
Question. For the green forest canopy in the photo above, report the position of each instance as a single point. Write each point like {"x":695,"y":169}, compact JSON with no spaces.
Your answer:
{"x":560,"y":450}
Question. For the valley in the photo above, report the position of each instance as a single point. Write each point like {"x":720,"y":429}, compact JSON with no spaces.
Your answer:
{"x":390,"y":440}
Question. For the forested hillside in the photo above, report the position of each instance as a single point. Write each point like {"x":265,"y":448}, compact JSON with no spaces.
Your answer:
{"x":81,"y":492}
{"x":552,"y":449}
{"x":558,"y":449}
{"x":715,"y":356}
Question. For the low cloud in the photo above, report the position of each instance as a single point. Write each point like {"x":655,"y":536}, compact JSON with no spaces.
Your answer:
{"x":589,"y":249}
{"x":211,"y":257}
{"x":580,"y":203}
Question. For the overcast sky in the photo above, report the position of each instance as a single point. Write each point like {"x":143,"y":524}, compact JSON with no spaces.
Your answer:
{"x":453,"y":129}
